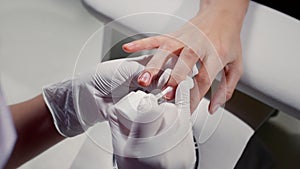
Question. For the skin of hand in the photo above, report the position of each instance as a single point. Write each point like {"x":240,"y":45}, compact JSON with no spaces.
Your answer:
{"x":35,"y":130}
{"x":211,"y":38}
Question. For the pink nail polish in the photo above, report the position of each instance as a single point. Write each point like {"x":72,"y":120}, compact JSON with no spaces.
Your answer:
{"x":145,"y":77}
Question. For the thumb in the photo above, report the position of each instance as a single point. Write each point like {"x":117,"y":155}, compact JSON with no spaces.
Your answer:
{"x":182,"y":96}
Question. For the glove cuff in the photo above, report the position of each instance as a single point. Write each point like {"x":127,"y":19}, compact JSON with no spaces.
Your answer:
{"x":59,"y":100}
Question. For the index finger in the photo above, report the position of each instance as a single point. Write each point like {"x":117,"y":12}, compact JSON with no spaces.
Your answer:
{"x":143,"y":44}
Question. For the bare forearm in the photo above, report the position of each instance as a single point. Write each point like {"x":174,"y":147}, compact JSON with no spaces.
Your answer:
{"x":233,"y":10}
{"x":35,"y":129}
{"x":228,"y":5}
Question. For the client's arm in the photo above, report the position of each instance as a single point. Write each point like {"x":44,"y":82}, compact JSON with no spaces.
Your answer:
{"x":35,"y":129}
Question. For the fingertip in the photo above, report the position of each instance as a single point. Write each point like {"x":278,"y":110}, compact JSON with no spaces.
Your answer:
{"x":213,"y":108}
{"x":144,"y":78}
{"x":128,"y":47}
{"x":210,"y":109}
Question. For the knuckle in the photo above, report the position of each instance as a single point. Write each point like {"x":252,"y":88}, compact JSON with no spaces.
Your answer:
{"x":167,"y":47}
{"x":203,"y":79}
{"x":155,"y":41}
{"x":171,"y":45}
{"x":223,"y":55}
{"x":221,"y":51}
{"x":155,"y":64}
{"x":190,"y":52}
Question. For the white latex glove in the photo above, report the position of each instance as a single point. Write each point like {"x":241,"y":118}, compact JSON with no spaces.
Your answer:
{"x":81,"y":102}
{"x":152,"y":136}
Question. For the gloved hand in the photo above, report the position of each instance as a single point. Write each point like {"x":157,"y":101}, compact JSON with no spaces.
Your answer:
{"x":149,"y":135}
{"x":79,"y":103}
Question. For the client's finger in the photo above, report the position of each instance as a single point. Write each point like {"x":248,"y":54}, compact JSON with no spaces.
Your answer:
{"x":154,"y":66}
{"x":143,"y":44}
{"x":210,"y":67}
{"x":183,"y":67}
{"x":230,"y":77}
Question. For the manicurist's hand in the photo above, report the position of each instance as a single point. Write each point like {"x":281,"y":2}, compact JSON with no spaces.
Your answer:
{"x":148,"y":135}
{"x":211,"y":38}
{"x":79,"y":103}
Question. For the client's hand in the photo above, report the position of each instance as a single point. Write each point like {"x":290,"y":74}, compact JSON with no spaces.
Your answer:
{"x":211,"y":38}
{"x":149,"y":135}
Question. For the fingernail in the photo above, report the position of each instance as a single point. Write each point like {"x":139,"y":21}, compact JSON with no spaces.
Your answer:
{"x":215,"y":108}
{"x":144,"y":77}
